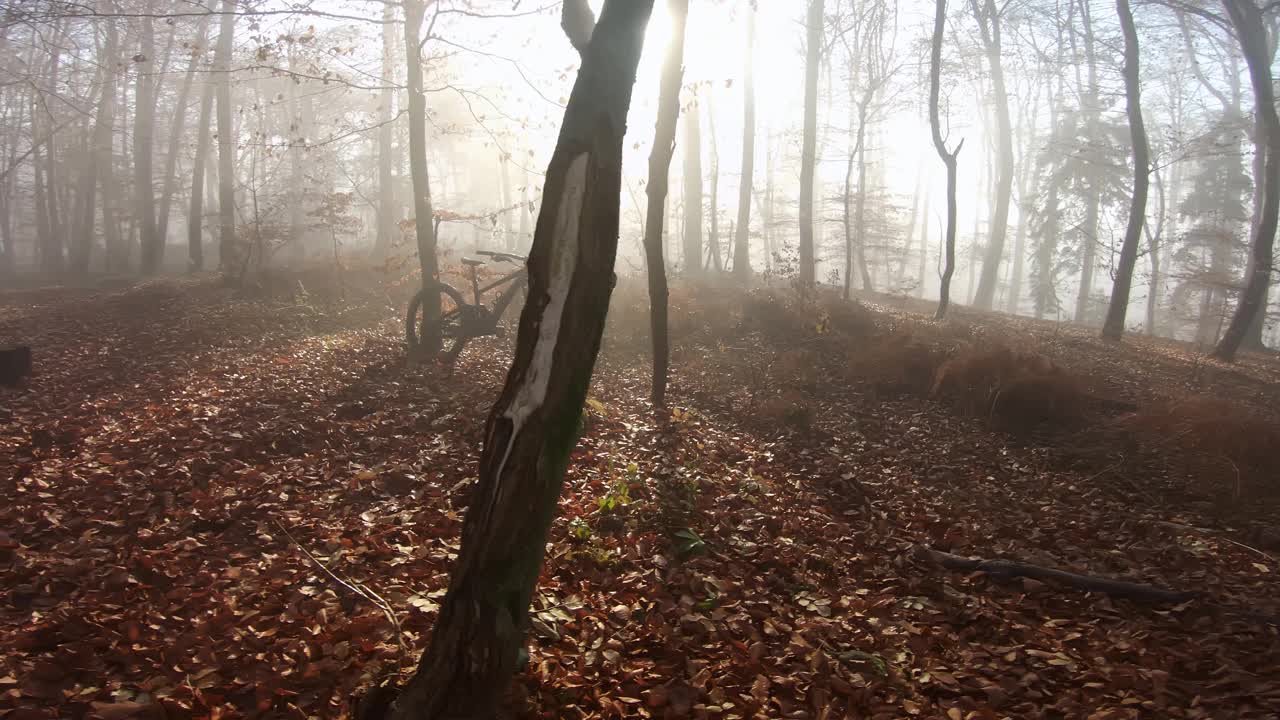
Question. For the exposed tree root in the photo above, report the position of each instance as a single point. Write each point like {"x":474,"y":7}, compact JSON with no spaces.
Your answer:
{"x":1011,"y":569}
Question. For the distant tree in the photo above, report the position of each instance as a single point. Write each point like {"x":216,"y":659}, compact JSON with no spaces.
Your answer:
{"x":987,"y":15}
{"x":664,"y":142}
{"x":742,"y":242}
{"x":1113,"y":328}
{"x":808,"y":153}
{"x":948,"y":156}
{"x":692,"y":250}
{"x":226,"y":139}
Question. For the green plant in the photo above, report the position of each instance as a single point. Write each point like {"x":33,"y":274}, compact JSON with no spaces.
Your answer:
{"x":687,"y":543}
{"x":579,"y":530}
{"x":619,"y":493}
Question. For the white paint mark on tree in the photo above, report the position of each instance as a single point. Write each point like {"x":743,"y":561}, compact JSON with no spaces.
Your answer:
{"x":564,"y":259}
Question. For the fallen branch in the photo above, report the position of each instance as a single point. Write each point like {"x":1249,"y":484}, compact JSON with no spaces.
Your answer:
{"x":1011,"y":569}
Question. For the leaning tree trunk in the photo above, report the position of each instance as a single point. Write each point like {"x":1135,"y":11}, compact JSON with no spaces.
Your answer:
{"x":692,"y":190}
{"x":1113,"y":328}
{"x":414,"y":10}
{"x":1250,"y":29}
{"x":948,"y":157}
{"x":989,"y":26}
{"x":226,"y":142}
{"x":664,"y":142}
{"x":534,"y":425}
{"x":808,"y":146}
{"x":742,"y":242}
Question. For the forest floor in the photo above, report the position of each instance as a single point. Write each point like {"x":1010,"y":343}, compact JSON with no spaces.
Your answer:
{"x":223,"y":504}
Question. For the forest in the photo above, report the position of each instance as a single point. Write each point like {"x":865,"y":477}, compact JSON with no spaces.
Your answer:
{"x":715,"y":359}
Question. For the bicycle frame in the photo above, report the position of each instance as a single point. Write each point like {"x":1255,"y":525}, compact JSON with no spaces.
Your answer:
{"x":478,"y":291}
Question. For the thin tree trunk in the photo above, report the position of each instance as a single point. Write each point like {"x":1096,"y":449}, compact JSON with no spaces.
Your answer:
{"x":1153,"y":255}
{"x":860,"y":208}
{"x":226,"y":141}
{"x":1089,"y":231}
{"x":924,"y":242}
{"x":948,"y":157}
{"x":1113,"y":328}
{"x":808,"y":152}
{"x":195,"y":212}
{"x":664,"y":141}
{"x":414,"y":11}
{"x":1250,"y":29}
{"x":100,"y":148}
{"x":742,"y":246}
{"x":714,"y":201}
{"x":144,"y":199}
{"x":178,"y":131}
{"x":692,"y":189}
{"x":534,"y":425}
{"x":989,"y":28}
{"x":387,"y":211}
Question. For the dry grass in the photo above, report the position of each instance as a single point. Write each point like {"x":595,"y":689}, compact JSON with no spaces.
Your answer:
{"x":1217,"y":446}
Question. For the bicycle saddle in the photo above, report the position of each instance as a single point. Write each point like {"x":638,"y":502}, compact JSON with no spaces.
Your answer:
{"x":473,"y":262}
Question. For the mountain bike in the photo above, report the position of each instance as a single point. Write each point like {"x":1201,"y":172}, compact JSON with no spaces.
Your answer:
{"x":460,"y":321}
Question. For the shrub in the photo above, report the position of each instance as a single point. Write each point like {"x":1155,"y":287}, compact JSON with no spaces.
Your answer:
{"x":1016,"y":390}
{"x":1216,"y":444}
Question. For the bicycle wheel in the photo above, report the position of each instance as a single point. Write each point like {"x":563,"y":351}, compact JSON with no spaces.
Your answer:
{"x":448,"y":335}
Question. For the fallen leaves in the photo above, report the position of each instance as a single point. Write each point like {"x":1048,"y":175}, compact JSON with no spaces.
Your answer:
{"x":755,"y":570}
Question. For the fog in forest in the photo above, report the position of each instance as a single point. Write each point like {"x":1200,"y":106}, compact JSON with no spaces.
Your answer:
{"x":319,"y":115}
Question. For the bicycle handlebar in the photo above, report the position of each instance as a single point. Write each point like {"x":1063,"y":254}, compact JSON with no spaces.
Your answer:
{"x":502,"y":256}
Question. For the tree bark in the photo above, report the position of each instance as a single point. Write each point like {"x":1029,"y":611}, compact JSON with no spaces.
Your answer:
{"x":692,"y":190}
{"x":664,"y":141}
{"x":742,"y":242}
{"x":713,"y":241}
{"x":144,"y":205}
{"x":1113,"y":328}
{"x":948,"y":157}
{"x":414,"y":11}
{"x":808,"y":151}
{"x":1247,"y":19}
{"x":534,"y":425}
{"x":226,"y":141}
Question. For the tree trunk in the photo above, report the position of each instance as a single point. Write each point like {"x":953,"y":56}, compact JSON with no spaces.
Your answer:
{"x":860,"y":208}
{"x":924,"y":241}
{"x":1251,"y":32}
{"x":226,"y":141}
{"x":144,"y":199}
{"x":1113,"y":328}
{"x":1153,"y":256}
{"x":664,"y":141}
{"x":535,"y":423}
{"x":387,"y":211}
{"x":1089,"y":230}
{"x":989,"y":28}
{"x":714,"y":201}
{"x":742,"y":243}
{"x":195,"y":212}
{"x":948,"y":157}
{"x":414,"y":10}
{"x":99,"y":155}
{"x":52,"y":255}
{"x":692,"y":190}
{"x":808,"y":151}
{"x":177,"y":131}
